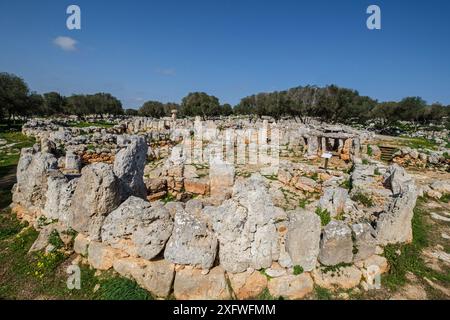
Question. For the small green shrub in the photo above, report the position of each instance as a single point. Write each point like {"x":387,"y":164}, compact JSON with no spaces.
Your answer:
{"x":365,"y":161}
{"x":55,"y":240}
{"x":324,"y":215}
{"x":369,"y":150}
{"x":445,"y":198}
{"x":347,"y":184}
{"x":376,"y":172}
{"x":322,"y":293}
{"x":168,"y":198}
{"x":302,"y":203}
{"x":298,"y":270}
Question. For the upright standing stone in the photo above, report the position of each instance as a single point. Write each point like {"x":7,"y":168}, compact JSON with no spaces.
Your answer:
{"x":129,"y":168}
{"x":303,"y":238}
{"x":96,"y":195}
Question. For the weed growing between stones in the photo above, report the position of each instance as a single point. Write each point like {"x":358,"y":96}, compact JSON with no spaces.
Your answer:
{"x":322,"y":293}
{"x":298,"y":270}
{"x":363,"y":199}
{"x":324,"y":215}
{"x":407,"y":258}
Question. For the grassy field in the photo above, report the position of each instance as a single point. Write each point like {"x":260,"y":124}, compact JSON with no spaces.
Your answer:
{"x":43,"y":276}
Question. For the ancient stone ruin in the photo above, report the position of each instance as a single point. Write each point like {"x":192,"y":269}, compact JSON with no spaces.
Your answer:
{"x":217,"y":209}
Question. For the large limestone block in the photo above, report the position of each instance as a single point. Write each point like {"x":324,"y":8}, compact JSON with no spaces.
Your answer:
{"x":303,"y":238}
{"x":336,"y":245}
{"x":291,"y":286}
{"x":192,"y":284}
{"x":247,"y":285}
{"x":154,"y":276}
{"x":192,"y":242}
{"x":138,"y":228}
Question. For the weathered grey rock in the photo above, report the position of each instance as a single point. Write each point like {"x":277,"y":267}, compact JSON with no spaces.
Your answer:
{"x":192,"y":241}
{"x":129,"y":166}
{"x":365,"y":242}
{"x":191,"y":284}
{"x":245,"y":226}
{"x":291,"y":286}
{"x":95,"y":196}
{"x":174,"y":207}
{"x":81,"y":244}
{"x":154,"y":276}
{"x":434,"y":158}
{"x":42,"y":240}
{"x":396,"y":178}
{"x":32,"y":171}
{"x":441,"y":186}
{"x":138,"y":228}
{"x":303,"y":238}
{"x":336,"y":245}
{"x":394,"y":225}
{"x":333,"y":200}
{"x":47,"y":146}
{"x":59,"y":196}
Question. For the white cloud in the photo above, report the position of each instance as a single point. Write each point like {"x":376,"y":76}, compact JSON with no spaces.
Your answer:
{"x":166,"y":72}
{"x":65,"y":43}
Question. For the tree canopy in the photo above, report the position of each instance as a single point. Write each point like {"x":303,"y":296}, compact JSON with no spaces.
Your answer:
{"x":331,"y":104}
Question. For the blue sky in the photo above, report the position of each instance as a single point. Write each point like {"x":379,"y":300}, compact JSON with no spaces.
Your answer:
{"x":162,"y":50}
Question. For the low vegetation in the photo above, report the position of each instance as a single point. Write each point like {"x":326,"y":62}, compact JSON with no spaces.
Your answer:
{"x":43,"y":275}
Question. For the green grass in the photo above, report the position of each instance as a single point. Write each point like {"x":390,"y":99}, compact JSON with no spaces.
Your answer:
{"x":83,"y":124}
{"x":263,"y":272}
{"x":445,"y":198}
{"x":324,"y":215}
{"x":265,"y":295}
{"x":302,"y":203}
{"x":410,"y":259}
{"x":43,"y":275}
{"x":118,"y":288}
{"x":363,"y":199}
{"x":347,"y":184}
{"x":369,"y":150}
{"x":322,"y":293}
{"x":419,"y":143}
{"x":55,"y":240}
{"x":168,"y":198}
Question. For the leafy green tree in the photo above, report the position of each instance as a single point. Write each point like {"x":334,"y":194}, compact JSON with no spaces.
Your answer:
{"x":153,"y":109}
{"x":13,"y":95}
{"x":54,"y":103}
{"x":35,"y":105}
{"x":226,"y":110}
{"x":131,"y":112}
{"x":200,"y":104}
